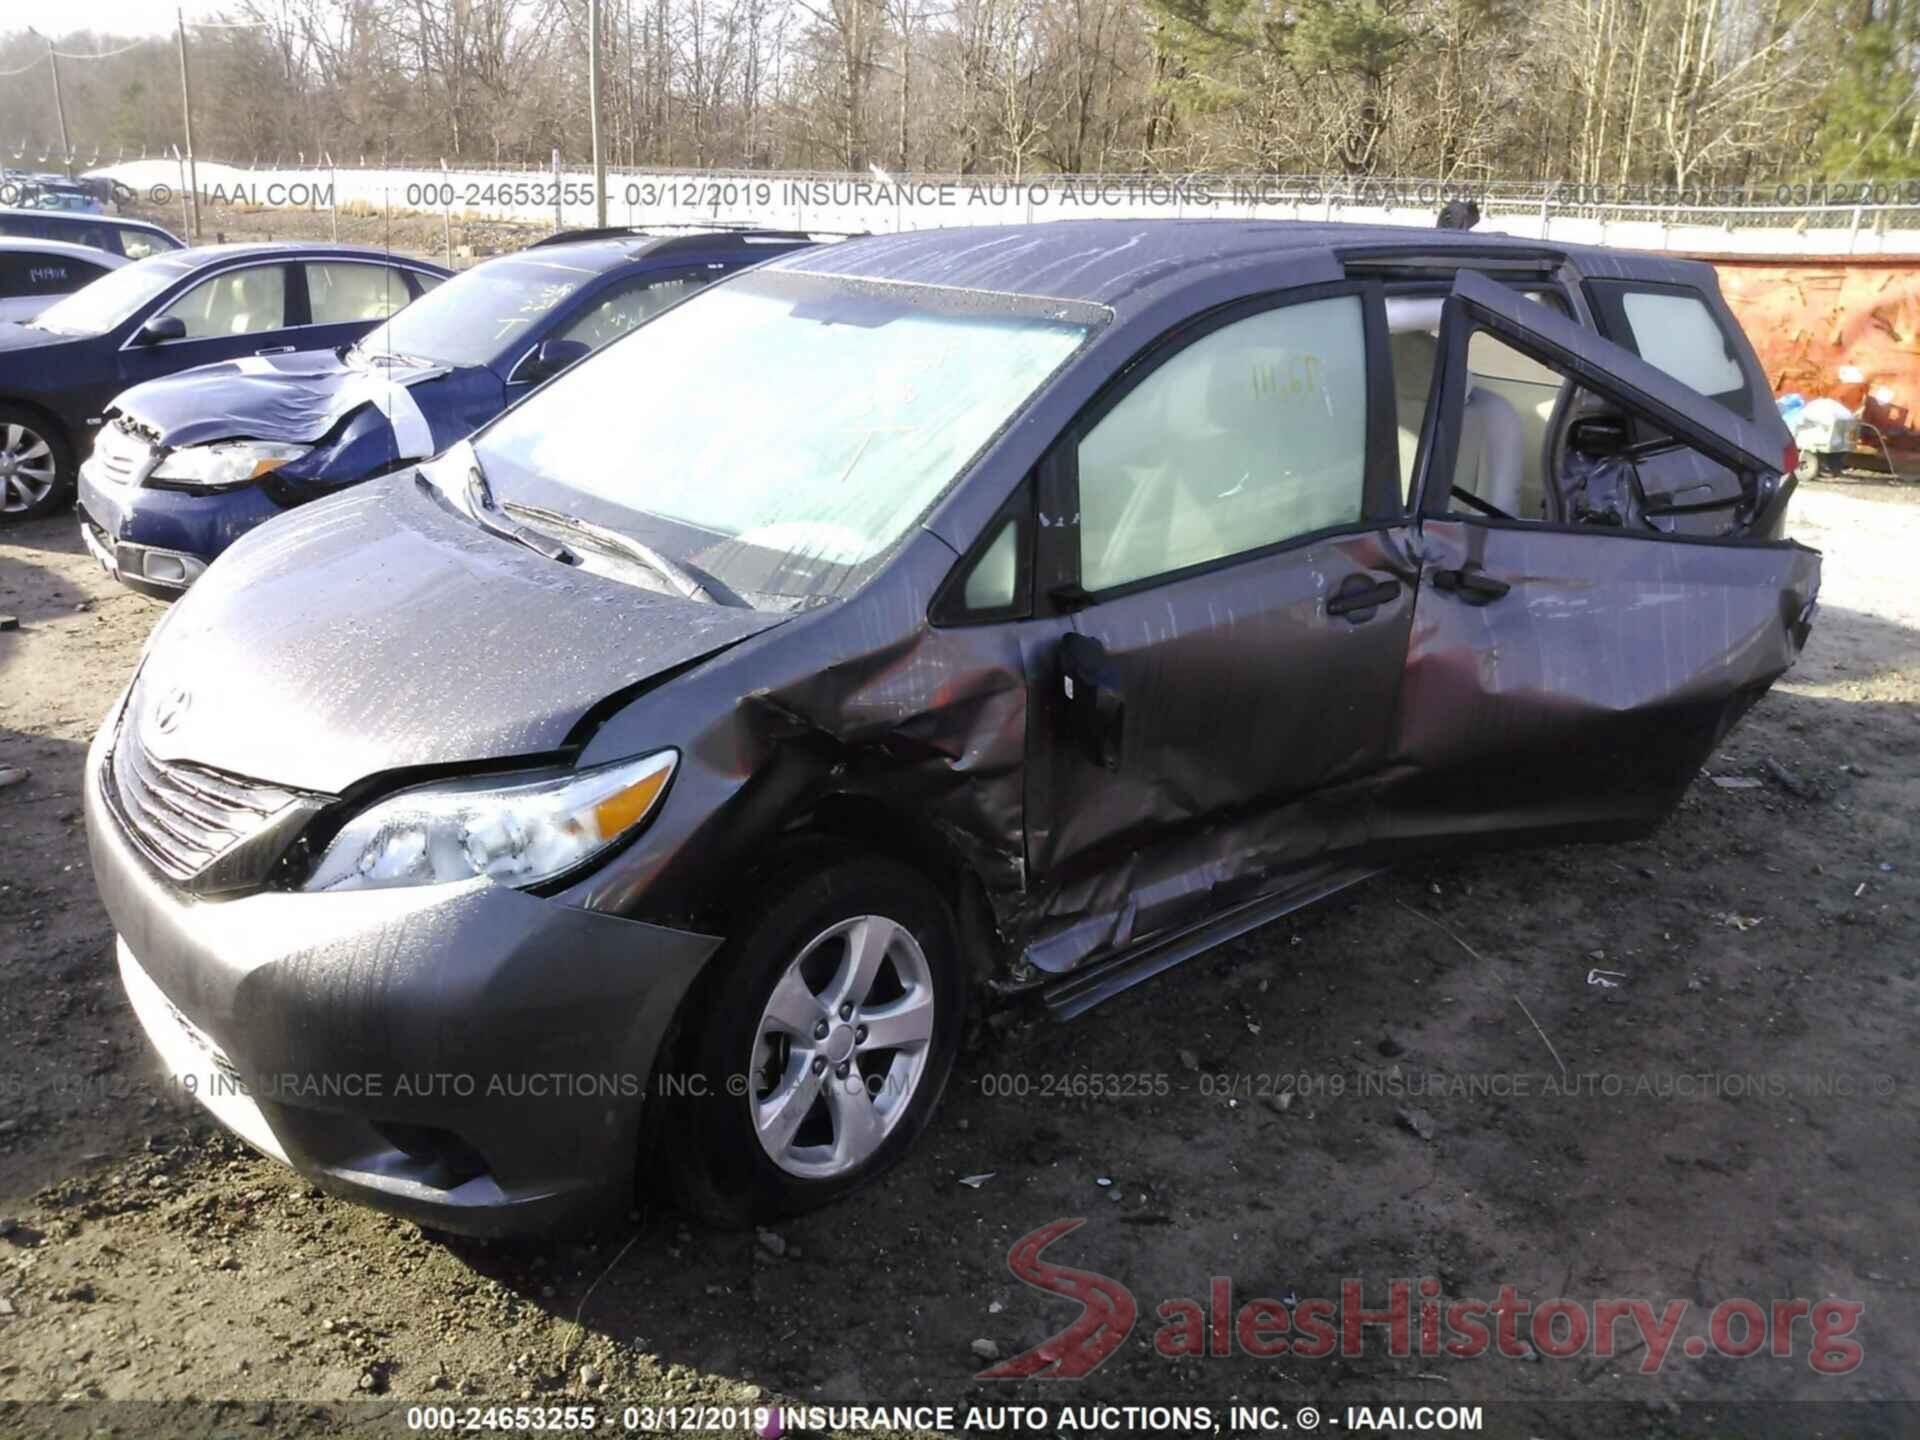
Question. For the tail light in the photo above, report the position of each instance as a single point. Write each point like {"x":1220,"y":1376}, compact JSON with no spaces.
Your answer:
{"x":1790,"y":459}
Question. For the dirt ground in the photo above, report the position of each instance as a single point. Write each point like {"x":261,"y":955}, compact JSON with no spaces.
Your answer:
{"x":1766,"y":942}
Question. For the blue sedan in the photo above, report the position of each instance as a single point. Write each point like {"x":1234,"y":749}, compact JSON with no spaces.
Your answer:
{"x":188,"y":464}
{"x":165,"y":314}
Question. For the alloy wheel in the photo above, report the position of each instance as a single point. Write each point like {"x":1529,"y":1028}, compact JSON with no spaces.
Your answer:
{"x":27,"y":468}
{"x":841,"y":1047}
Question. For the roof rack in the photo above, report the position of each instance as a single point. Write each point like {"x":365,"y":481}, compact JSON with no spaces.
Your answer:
{"x":738,"y":231}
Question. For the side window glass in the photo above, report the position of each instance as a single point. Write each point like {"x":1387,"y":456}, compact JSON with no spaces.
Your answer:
{"x":1679,"y":334}
{"x":137,"y":244}
{"x":424,"y":282}
{"x":627,"y":306}
{"x":344,"y":293}
{"x":29,"y":274}
{"x":995,"y":583}
{"x":1253,"y":434}
{"x":991,"y":583}
{"x":1678,"y":331}
{"x":46,"y":275}
{"x":240,"y":302}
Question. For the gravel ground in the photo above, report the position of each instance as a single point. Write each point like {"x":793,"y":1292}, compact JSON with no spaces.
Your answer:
{"x":1768,"y":933}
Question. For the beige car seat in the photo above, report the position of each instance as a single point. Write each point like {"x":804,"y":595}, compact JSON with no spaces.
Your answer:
{"x":1493,"y":451}
{"x":248,"y":303}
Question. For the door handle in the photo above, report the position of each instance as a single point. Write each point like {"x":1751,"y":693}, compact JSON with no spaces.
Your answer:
{"x":1471,"y":584}
{"x":275,"y":350}
{"x":1360,"y":596}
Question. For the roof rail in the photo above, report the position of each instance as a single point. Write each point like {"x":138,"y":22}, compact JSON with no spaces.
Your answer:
{"x":722,"y":230}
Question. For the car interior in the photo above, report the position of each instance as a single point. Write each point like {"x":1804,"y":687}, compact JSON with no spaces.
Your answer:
{"x":1536,"y":446}
{"x":239,"y":302}
{"x":1255,"y":432}
{"x":349,"y":293}
{"x":1510,"y":404}
{"x":1248,"y":436}
{"x":628,"y":307}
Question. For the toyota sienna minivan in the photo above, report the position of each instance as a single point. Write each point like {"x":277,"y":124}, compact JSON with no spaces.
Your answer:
{"x":647,"y":784}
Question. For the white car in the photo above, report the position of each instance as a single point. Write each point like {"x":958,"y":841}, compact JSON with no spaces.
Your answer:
{"x":35,"y":273}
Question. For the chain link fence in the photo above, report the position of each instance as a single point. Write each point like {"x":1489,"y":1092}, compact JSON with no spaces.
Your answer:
{"x":1762,"y":218}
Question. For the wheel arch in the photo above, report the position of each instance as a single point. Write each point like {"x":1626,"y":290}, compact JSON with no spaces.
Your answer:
{"x":52,"y":420}
{"x":844,"y":824}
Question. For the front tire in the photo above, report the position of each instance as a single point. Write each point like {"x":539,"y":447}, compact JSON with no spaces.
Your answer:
{"x":36,"y":466}
{"x":826,"y":1033}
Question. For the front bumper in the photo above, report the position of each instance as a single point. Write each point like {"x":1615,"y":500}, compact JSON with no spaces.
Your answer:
{"x":160,"y":541}
{"x":472,"y":1057}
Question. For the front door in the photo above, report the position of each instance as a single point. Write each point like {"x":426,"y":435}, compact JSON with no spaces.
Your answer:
{"x":1571,"y":666}
{"x":1224,"y":536}
{"x":242,"y":311}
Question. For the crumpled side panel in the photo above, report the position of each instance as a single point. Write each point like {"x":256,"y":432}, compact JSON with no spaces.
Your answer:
{"x":859,"y":710}
{"x":1186,"y":875}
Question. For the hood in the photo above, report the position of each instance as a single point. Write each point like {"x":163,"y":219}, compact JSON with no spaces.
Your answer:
{"x":294,"y":398}
{"x":15,"y":336}
{"x":375,"y":630}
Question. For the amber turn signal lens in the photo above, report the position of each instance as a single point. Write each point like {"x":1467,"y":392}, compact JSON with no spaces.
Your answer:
{"x":626,"y":808}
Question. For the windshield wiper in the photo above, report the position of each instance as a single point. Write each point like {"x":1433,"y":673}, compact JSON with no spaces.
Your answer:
{"x":488,"y":516}
{"x":691,"y":582}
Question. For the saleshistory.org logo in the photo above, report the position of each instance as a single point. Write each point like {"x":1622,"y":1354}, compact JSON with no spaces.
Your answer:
{"x":1106,"y":1312}
{"x":1413,"y":1321}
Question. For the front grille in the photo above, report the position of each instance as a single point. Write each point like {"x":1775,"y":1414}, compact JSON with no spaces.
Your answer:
{"x":123,"y":456}
{"x":185,"y":817}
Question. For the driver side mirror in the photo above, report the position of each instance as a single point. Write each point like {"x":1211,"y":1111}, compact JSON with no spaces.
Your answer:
{"x":550,"y":359}
{"x":159,"y":329}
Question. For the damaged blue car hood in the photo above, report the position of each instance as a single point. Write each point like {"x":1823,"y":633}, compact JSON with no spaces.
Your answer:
{"x":379,"y":629}
{"x":300,"y":398}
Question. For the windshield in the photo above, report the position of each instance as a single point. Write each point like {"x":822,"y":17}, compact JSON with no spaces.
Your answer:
{"x":114,"y":298}
{"x":782,"y":431}
{"x":472,"y":318}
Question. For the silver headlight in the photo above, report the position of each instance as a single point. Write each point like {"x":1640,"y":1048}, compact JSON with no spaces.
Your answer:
{"x":232,"y":462}
{"x":514,"y":830}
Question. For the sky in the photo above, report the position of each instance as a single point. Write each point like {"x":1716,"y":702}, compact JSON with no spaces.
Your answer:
{"x":115,"y":17}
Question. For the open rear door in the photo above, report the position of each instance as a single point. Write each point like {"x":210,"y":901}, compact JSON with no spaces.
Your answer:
{"x":1573,"y":668}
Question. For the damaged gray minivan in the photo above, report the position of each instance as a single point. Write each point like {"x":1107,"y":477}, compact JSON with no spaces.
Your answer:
{"x":649,"y":783}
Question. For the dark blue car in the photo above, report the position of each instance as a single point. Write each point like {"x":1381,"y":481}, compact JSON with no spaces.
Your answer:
{"x":165,"y":314}
{"x":189,"y":463}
